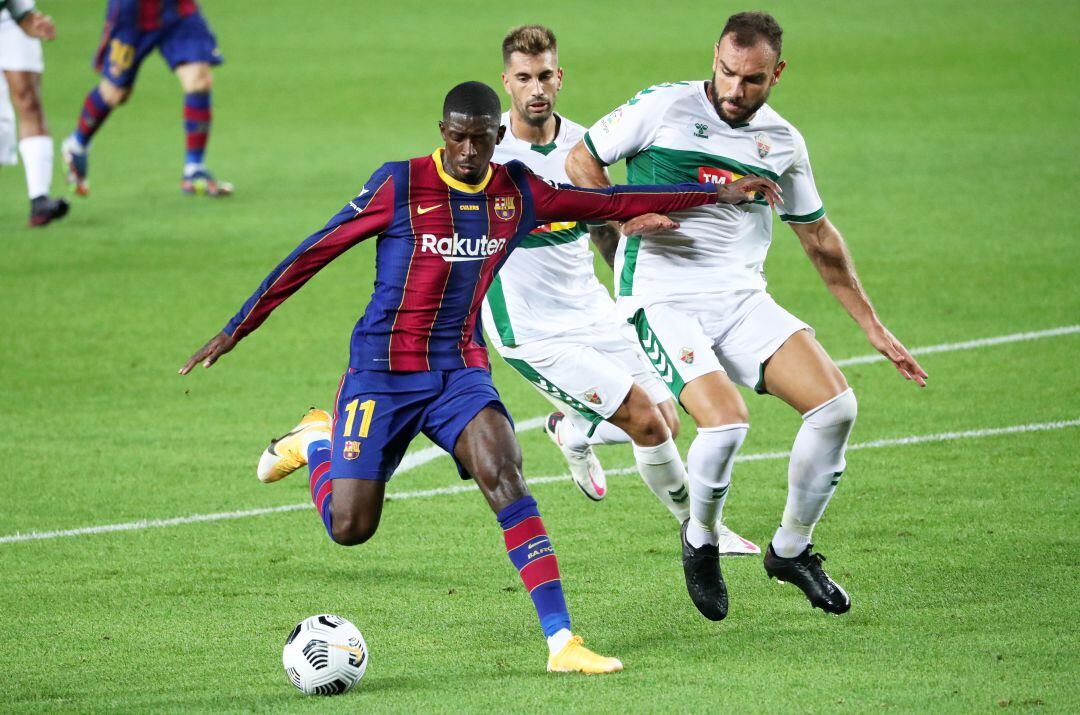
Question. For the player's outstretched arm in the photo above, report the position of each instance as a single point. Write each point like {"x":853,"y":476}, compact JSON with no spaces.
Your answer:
{"x":585,"y":170}
{"x":826,"y":249}
{"x":367,"y":215}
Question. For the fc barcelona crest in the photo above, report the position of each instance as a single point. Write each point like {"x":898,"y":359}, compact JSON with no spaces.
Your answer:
{"x":504,"y":207}
{"x":351,"y":450}
{"x":764,"y":146}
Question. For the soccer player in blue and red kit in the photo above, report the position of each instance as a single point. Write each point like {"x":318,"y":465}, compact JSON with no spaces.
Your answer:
{"x":418,"y":364}
{"x":133,"y":28}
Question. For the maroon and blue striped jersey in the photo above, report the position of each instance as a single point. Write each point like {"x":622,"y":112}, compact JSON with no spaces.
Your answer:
{"x":149,"y":15}
{"x":440,"y":244}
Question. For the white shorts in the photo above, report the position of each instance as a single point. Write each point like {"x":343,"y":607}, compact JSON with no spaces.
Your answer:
{"x":18,"y":51}
{"x":690,"y":336}
{"x":7,"y":126}
{"x":589,"y":369}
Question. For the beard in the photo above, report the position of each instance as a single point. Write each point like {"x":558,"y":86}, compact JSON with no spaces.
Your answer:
{"x":530,"y":117}
{"x":744,"y":112}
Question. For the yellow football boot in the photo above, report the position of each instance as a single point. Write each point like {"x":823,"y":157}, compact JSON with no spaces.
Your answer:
{"x":576,"y":658}
{"x":286,"y":453}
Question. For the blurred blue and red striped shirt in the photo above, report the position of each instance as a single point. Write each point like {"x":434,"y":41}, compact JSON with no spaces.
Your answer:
{"x":440,"y":244}
{"x":149,"y":14}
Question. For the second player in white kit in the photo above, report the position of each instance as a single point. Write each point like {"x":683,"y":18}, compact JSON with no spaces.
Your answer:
{"x":550,"y":318}
{"x":695,"y":293}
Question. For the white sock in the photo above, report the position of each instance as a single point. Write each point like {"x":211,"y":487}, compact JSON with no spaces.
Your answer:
{"x":313,"y":435}
{"x":708,"y":464}
{"x":607,"y":433}
{"x":817,"y":461}
{"x":662,"y":469}
{"x":190,"y":169}
{"x":573,"y":435}
{"x":37,"y":156}
{"x":558,"y":641}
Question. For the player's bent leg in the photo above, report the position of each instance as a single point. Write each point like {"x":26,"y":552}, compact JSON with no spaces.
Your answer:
{"x":100,"y":101}
{"x":802,"y":374}
{"x":489,"y":451}
{"x":35,"y":147}
{"x":356,"y":508}
{"x":720,"y":413}
{"x":655,"y":453}
{"x":196,"y":79}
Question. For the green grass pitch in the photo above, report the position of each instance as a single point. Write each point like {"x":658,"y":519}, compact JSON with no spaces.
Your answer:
{"x":944,"y":142}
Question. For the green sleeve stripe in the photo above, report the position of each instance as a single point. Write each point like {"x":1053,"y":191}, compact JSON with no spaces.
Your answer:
{"x":497,"y":303}
{"x":626,"y":276}
{"x":592,"y":149}
{"x":804,"y":218}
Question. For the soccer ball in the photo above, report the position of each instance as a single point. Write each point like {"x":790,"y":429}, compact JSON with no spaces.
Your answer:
{"x":325,"y":655}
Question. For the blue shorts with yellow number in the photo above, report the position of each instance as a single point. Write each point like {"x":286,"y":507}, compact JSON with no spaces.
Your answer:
{"x":124,"y":46}
{"x":378,"y":413}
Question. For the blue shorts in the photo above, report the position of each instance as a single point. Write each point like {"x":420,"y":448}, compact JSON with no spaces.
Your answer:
{"x":378,"y":413}
{"x":124,"y":46}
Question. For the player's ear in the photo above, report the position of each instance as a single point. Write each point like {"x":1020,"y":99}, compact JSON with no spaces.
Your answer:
{"x":500,"y":135}
{"x":776,"y":72}
{"x":442,"y":128}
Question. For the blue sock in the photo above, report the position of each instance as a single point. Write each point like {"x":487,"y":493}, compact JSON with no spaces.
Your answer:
{"x":531,"y":552}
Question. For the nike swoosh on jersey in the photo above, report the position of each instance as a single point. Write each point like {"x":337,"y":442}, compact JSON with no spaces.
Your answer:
{"x":420,"y":210}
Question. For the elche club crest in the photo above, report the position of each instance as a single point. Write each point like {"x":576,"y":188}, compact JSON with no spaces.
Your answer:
{"x":764,"y":146}
{"x":687,"y":356}
{"x":504,"y":207}
{"x":592,"y":396}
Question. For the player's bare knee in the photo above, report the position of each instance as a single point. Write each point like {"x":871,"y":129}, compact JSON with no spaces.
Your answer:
{"x":112,"y":94}
{"x":649,"y":429}
{"x":352,"y":529}
{"x":195,"y":78}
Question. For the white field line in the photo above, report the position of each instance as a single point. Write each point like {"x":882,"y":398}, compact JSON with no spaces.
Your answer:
{"x":461,"y":488}
{"x":970,"y":344}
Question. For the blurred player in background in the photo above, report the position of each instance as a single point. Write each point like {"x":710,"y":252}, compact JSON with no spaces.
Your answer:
{"x":418,"y":364}
{"x":696,"y":295}
{"x":133,"y":29}
{"x":552,"y":320}
{"x":21,"y":30}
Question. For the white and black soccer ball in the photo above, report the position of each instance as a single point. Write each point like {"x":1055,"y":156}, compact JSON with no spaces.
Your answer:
{"x":325,"y":655}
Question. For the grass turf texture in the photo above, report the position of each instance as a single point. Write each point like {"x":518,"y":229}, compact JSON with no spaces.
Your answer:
{"x":942,"y":142}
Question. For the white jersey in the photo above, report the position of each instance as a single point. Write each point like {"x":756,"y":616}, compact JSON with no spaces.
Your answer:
{"x":547,"y":285}
{"x":671,"y":134}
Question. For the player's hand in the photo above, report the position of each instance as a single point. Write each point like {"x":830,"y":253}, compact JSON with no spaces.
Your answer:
{"x":649,"y":225}
{"x":887,"y":344}
{"x":743,"y":190}
{"x":37,"y":25}
{"x":209,"y":353}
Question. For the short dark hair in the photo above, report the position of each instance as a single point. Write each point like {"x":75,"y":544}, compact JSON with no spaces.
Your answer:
{"x":749,"y":27}
{"x":529,"y":40}
{"x":473,"y":99}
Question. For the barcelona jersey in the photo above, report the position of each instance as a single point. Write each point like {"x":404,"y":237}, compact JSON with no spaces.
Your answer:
{"x":439,"y":244}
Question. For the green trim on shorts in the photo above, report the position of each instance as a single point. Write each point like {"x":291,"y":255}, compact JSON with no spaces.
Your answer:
{"x":542,"y":383}
{"x":661,"y":361}
{"x":759,"y":386}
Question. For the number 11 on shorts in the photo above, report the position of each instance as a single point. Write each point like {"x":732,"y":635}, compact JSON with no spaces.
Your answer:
{"x":367,"y":408}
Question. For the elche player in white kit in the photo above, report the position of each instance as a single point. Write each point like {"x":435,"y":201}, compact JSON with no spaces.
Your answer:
{"x":551,"y":319}
{"x":22,"y":63}
{"x":694,"y":291}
